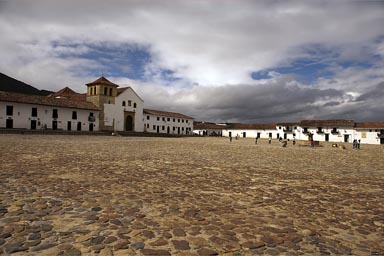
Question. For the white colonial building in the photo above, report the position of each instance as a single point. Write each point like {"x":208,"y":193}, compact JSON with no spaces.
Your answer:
{"x":23,"y":111}
{"x":262,"y":131}
{"x":104,"y":107}
{"x":338,"y":131}
{"x":167,"y":122}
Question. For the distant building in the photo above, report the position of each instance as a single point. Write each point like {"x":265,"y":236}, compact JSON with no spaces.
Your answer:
{"x":207,"y":129}
{"x":320,"y":130}
{"x":104,"y":107}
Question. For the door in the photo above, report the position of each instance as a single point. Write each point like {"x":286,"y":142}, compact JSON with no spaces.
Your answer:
{"x":9,"y":124}
{"x":178,"y":130}
{"x":244,"y":134}
{"x":346,"y":137}
{"x":129,"y":123}
{"x":270,"y":135}
{"x":168,"y":129}
{"x":54,"y":125}
{"x":69,"y":125}
{"x":285,"y":136}
{"x":158,"y":129}
{"x":79,"y":126}
{"x":258,"y":135}
{"x":326,"y":137}
{"x":91,"y":127}
{"x":230,"y":134}
{"x":381,"y":140}
{"x":33,"y":124}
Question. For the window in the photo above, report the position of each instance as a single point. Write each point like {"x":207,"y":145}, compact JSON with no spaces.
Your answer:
{"x":147,"y":117}
{"x":178,"y":120}
{"x":305,"y":130}
{"x":34,"y":111}
{"x":186,"y":121}
{"x":182,"y":128}
{"x":74,"y":115}
{"x":79,"y":126}
{"x":134,"y":105}
{"x":129,"y":103}
{"x":90,"y":90}
{"x":94,"y":90}
{"x":154,"y":127}
{"x":279,"y":127}
{"x":105,"y":90}
{"x":9,"y":110}
{"x":174,"y":128}
{"x":163,"y":118}
{"x":110,"y":91}
{"x":148,"y":126}
{"x":163,"y":128}
{"x":158,"y":118}
{"x":182,"y":120}
{"x":174,"y":120}
{"x":123,"y":104}
{"x":168,"y":119}
{"x":90,"y":113}
{"x":55,"y":113}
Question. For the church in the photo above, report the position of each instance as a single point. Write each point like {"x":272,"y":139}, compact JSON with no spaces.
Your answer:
{"x":105,"y":107}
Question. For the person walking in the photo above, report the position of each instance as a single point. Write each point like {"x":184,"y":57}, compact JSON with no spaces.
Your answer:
{"x":256,"y":140}
{"x":269,"y":140}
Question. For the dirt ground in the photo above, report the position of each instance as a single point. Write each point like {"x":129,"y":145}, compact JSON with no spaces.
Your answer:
{"x":99,"y":195}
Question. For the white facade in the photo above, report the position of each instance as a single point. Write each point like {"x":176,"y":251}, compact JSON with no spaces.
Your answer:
{"x":251,"y":133}
{"x":370,"y":136}
{"x":34,"y":116}
{"x":167,"y":124}
{"x":127,"y":105}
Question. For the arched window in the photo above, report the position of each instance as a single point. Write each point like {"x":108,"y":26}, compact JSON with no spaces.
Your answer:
{"x":105,"y":90}
{"x":134,"y":105}
{"x":123,"y":103}
{"x":110,"y":91}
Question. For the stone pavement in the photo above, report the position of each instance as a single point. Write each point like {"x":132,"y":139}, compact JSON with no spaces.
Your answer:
{"x":96,"y":195}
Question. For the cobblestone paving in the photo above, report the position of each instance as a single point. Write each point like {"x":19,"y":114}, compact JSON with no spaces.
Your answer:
{"x":86,"y":195}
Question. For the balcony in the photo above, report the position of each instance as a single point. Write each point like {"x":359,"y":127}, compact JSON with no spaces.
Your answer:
{"x":335,"y":131}
{"x":91,"y":119}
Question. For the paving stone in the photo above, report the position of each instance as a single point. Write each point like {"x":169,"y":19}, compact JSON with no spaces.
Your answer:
{"x":137,"y":245}
{"x":34,"y":236}
{"x":42,"y":247}
{"x":159,"y":242}
{"x":151,"y":252}
{"x":97,"y":239}
{"x":181,"y":245}
{"x":206,"y":252}
{"x":179,"y":232}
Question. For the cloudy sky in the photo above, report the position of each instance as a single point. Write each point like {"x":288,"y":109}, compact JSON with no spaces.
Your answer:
{"x":216,"y":60}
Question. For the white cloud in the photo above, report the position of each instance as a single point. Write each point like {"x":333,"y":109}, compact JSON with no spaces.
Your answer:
{"x":210,"y":43}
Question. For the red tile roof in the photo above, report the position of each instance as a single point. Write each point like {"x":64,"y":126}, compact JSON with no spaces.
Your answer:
{"x":102,"y":80}
{"x":289,"y":124}
{"x":68,"y":93}
{"x":121,"y":90}
{"x":203,"y":126}
{"x":327,"y":123}
{"x":165,"y":113}
{"x":43,"y":100}
{"x":370,"y":125}
{"x":252,"y":126}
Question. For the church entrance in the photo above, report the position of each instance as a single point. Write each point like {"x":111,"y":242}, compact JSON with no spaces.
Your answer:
{"x":128,"y":123}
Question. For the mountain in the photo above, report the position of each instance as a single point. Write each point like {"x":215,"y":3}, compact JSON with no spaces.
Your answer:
{"x":9,"y":84}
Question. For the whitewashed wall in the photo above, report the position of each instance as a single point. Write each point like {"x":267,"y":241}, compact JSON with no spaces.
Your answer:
{"x":368,"y":136}
{"x":114,"y":113}
{"x":174,"y":125}
{"x":264,"y":134}
{"x":22,"y":116}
